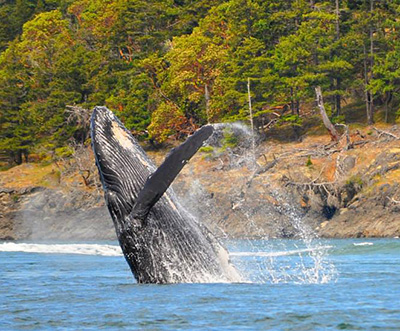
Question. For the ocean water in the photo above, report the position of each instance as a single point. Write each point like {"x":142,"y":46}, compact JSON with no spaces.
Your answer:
{"x":291,"y":285}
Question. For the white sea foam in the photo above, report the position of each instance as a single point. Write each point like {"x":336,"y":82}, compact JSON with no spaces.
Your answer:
{"x":279,"y":253}
{"x":363,"y":244}
{"x":303,"y":275}
{"x":84,"y":249}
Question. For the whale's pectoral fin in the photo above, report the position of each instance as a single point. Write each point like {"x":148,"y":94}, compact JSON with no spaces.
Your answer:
{"x":161,"y":179}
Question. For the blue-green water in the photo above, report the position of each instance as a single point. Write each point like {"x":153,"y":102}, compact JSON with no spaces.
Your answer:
{"x":353,"y":285}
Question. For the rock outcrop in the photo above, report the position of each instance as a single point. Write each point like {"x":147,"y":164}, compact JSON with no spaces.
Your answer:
{"x":39,"y":213}
{"x":310,"y":186}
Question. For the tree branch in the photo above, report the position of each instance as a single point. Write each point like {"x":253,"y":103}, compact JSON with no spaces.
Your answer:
{"x":381,"y":133}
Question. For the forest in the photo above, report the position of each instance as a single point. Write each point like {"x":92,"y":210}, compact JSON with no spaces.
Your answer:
{"x":166,"y":67}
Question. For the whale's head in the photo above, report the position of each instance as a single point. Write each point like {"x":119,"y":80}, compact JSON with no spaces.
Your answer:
{"x":123,"y":165}
{"x":161,"y":244}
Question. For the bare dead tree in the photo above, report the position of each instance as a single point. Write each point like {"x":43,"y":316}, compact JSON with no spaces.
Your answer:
{"x":82,"y":159}
{"x":346,"y":134}
{"x":329,"y":192}
{"x":397,"y":202}
{"x":80,"y":117}
{"x":329,"y":126}
{"x":385,"y":133}
{"x":83,"y":162}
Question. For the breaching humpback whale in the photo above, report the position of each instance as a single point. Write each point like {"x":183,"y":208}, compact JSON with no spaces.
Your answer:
{"x":161,"y":241}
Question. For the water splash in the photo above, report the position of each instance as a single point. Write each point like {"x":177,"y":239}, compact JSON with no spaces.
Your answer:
{"x":243,"y":153}
{"x":284,"y":261}
{"x":234,"y":125}
{"x":278,"y":253}
{"x":275,"y":261}
{"x":81,"y":249}
{"x":304,"y":260}
{"x":314,"y":267}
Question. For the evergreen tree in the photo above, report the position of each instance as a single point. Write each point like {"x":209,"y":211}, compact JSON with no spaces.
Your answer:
{"x":167,"y":67}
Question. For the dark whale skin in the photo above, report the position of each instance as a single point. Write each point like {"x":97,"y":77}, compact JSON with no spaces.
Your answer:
{"x":161,"y":241}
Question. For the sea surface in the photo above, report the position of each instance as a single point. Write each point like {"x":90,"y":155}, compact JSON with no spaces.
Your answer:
{"x":290,"y":285}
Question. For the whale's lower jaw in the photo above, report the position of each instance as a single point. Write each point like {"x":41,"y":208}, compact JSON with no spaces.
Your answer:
{"x":156,"y":258}
{"x":161,"y":241}
{"x":172,"y":248}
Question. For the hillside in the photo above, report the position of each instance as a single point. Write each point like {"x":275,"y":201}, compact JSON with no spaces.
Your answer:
{"x":332,"y":190}
{"x":168,"y":67}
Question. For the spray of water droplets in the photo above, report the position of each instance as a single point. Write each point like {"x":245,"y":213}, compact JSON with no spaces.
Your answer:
{"x":303,"y":260}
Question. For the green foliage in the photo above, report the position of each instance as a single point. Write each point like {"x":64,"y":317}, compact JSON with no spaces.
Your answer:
{"x":338,"y":119}
{"x":309,"y":162}
{"x":294,"y":120}
{"x":152,"y":61}
{"x":15,"y":198}
{"x":166,"y":121}
{"x":229,"y":139}
{"x":64,"y":152}
{"x":355,"y":181}
{"x":206,"y":149}
{"x":14,"y":14}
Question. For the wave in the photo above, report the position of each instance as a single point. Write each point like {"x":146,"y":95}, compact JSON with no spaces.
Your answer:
{"x":363,"y":244}
{"x":373,"y":246}
{"x":280,"y":253}
{"x":84,"y":249}
{"x":114,"y":250}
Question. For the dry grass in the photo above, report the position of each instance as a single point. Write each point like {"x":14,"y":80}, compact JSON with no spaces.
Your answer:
{"x":30,"y":174}
{"x":390,"y":178}
{"x":293,"y":163}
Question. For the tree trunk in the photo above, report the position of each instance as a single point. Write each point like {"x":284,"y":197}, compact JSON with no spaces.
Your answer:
{"x":332,"y":88}
{"x":26,"y":155}
{"x":370,"y":108}
{"x":337,"y":98}
{"x":297,"y":107}
{"x":388,"y":99}
{"x":337,"y":12}
{"x":386,"y":109}
{"x":207,"y":97}
{"x":11,"y":158}
{"x":337,"y":95}
{"x":329,"y":126}
{"x":18,"y":157}
{"x":291,"y":101}
{"x":253,"y":142}
{"x":371,"y":97}
{"x":370,"y":119}
{"x":297,"y":103}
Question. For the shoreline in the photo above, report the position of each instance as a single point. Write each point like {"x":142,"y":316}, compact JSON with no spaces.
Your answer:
{"x":331,"y":192}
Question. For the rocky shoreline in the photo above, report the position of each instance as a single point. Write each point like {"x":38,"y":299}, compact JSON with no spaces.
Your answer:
{"x":38,"y":213}
{"x":294,"y":188}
